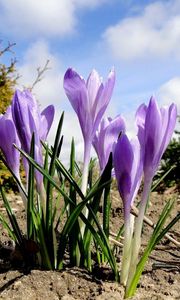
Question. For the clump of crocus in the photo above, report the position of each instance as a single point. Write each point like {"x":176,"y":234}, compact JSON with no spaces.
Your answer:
{"x":89,"y":99}
{"x":106,"y":135}
{"x":128,"y":170}
{"x":17,"y":125}
{"x":28,"y":120}
{"x":155,"y":129}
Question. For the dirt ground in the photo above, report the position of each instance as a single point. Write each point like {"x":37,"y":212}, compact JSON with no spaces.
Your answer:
{"x":160,"y":279}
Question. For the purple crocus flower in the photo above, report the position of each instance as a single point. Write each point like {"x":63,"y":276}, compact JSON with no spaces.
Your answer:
{"x":89,"y":99}
{"x":128,"y":169}
{"x":8,"y":137}
{"x":155,"y":129}
{"x":28,"y":120}
{"x":106,"y":135}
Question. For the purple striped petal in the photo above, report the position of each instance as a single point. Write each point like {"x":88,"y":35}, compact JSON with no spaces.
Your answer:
{"x":155,"y":128}
{"x":47,"y":117}
{"x":89,"y":99}
{"x":8,"y":137}
{"x":106,"y":135}
{"x":128,"y":169}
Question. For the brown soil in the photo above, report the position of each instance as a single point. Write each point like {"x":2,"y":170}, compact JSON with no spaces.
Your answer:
{"x":160,"y":280}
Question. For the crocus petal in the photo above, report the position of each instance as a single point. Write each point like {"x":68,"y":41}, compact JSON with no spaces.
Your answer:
{"x":103,"y":98}
{"x":140,"y":121}
{"x":20,"y":113}
{"x":75,"y":88}
{"x":137,"y":168}
{"x":115,"y":128}
{"x":76,"y":91}
{"x":171,"y":122}
{"x":106,"y":135}
{"x":28,"y":120}
{"x":108,"y":87}
{"x":8,"y":138}
{"x":123,"y":159}
{"x":93,"y":84}
{"x":47,"y":117}
{"x":89,"y":99}
{"x":152,"y":135}
{"x":155,"y":128}
{"x":128,"y":169}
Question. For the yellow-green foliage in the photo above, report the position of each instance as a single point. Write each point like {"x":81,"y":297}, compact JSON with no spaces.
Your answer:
{"x":7,"y":83}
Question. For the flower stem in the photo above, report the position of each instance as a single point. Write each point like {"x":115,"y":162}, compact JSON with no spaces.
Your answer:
{"x":136,"y":243}
{"x":23,"y":197}
{"x":87,"y":151}
{"x":128,"y":227}
{"x":42,"y":195}
{"x":85,"y":168}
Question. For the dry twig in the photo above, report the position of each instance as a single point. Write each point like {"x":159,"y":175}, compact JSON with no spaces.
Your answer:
{"x":7,"y":48}
{"x":135,"y":212}
{"x":149,"y":222}
{"x":40,"y":72}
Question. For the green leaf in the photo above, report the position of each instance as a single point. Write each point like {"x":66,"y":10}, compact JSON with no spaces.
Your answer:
{"x":95,"y":193}
{"x":100,"y":237}
{"x":12,"y":218}
{"x":46,"y":165}
{"x":75,"y":232}
{"x":158,"y":234}
{"x":30,"y":199}
{"x":46,"y":262}
{"x":45,"y":173}
{"x":52,"y":171}
{"x":167,"y":228}
{"x":8,"y":228}
{"x":104,"y":244}
{"x":162,"y":178}
{"x":106,"y":210}
{"x":14,"y":176}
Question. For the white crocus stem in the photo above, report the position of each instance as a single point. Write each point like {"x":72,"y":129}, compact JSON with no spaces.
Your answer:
{"x":85,"y":173}
{"x":42,"y":195}
{"x":128,"y":232}
{"x":87,"y":151}
{"x":23,"y":197}
{"x":136,"y":243}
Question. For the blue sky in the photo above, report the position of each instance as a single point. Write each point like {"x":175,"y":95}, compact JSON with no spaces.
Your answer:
{"x":141,"y":39}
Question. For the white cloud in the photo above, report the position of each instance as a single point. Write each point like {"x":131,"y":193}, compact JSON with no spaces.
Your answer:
{"x":153,"y":33}
{"x":170,"y":92}
{"x":32,"y":17}
{"x":41,"y":17}
{"x":90,"y":3}
{"x":50,"y":88}
{"x":71,"y":129}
